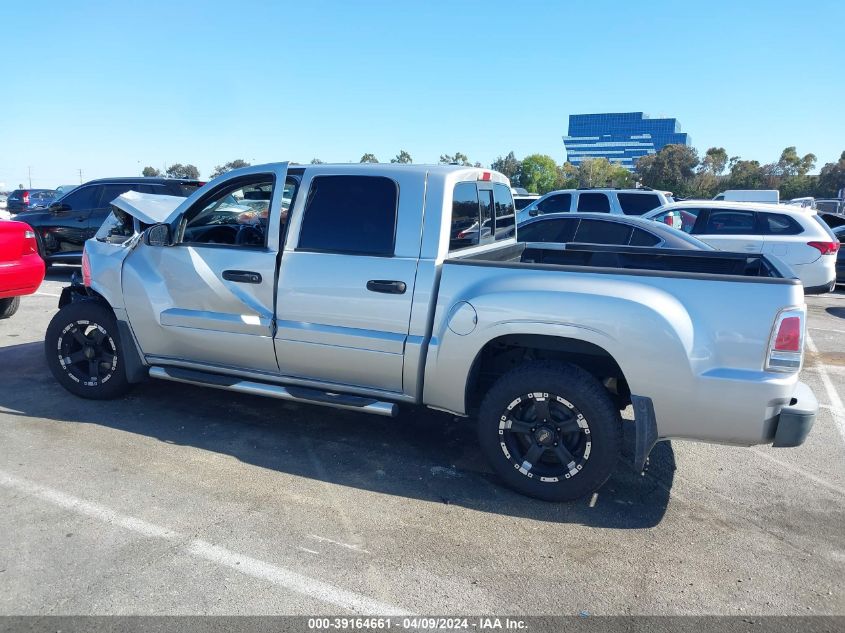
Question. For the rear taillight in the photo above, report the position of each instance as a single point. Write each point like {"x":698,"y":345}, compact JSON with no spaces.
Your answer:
{"x":86,"y":269}
{"x":29,"y":243}
{"x":825,"y":248}
{"x":786,"y":344}
{"x":25,"y":197}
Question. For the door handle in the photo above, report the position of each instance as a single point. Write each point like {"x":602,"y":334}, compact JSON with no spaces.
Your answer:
{"x":387,"y":286}
{"x":242,"y":276}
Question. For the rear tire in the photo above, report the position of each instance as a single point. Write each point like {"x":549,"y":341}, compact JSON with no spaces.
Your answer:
{"x":9,"y":306}
{"x":83,"y":352}
{"x":550,"y":431}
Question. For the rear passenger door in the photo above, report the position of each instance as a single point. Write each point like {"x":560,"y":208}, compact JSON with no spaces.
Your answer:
{"x":70,"y":219}
{"x":733,"y":230}
{"x":347,"y":277}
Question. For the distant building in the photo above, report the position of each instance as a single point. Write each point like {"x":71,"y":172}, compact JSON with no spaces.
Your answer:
{"x":620,"y":137}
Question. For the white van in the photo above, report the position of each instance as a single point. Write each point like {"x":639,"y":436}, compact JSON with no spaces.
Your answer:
{"x":771,"y":196}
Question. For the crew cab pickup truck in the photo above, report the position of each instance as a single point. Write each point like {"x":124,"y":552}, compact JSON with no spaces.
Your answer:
{"x":365,"y":287}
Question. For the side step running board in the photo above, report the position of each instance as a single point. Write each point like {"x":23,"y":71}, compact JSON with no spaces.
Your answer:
{"x":296,"y":394}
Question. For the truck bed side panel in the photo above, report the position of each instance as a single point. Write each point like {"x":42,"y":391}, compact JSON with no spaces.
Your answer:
{"x":696,"y":347}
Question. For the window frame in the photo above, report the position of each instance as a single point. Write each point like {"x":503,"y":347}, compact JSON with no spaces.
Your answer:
{"x":232,"y":185}
{"x":305,"y":249}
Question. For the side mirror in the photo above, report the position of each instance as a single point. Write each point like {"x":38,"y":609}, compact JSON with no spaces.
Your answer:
{"x":158,"y":235}
{"x":58,"y":207}
{"x":534,"y":213}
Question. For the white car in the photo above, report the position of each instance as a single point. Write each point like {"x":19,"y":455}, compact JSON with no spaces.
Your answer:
{"x":796,"y":236}
{"x":599,"y":200}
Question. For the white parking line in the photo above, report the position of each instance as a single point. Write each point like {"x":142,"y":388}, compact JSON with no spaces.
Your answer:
{"x":836,"y":409}
{"x":279,"y":576}
{"x":800,"y":471}
{"x":46,"y":294}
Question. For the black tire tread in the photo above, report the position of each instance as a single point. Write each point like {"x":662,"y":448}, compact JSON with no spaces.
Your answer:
{"x":9,"y":306}
{"x":98,"y":312}
{"x":579,"y":387}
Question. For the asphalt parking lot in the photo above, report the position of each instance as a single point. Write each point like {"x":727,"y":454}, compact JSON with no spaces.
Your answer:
{"x":183,"y":500}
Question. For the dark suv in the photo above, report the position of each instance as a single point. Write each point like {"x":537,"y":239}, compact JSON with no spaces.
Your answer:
{"x":25,"y":199}
{"x":62,"y":227}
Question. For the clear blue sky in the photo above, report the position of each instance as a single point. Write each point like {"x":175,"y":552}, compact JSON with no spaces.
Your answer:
{"x":110,"y":87}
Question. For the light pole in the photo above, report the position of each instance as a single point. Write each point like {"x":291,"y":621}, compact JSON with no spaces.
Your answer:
{"x":29,"y":171}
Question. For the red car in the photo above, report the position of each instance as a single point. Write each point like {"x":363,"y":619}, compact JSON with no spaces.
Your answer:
{"x":21,"y":267}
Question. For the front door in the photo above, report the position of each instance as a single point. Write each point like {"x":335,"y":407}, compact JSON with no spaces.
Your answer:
{"x":209,"y":299}
{"x":68,"y":225}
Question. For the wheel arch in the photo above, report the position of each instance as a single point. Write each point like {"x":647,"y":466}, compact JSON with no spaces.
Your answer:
{"x":508,"y":351}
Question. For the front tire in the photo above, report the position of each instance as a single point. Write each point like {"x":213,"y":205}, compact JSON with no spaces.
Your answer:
{"x":9,"y":306}
{"x":83,"y":351}
{"x":550,"y":431}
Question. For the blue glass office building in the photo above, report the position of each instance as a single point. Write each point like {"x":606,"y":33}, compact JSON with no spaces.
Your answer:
{"x":620,"y":137}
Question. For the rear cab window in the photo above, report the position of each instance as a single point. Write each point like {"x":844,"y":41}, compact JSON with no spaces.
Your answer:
{"x":481,"y":214}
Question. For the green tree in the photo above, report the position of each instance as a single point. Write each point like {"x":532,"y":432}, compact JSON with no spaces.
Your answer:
{"x":567,"y":176}
{"x":368,"y":158}
{"x":150,"y":172}
{"x":600,"y":172}
{"x":455,"y":159}
{"x":178,"y":170}
{"x":671,"y":169}
{"x":745,"y":174}
{"x":316,"y":161}
{"x":831,"y":178}
{"x":402,"y":157}
{"x":234,"y":164}
{"x":539,"y":173}
{"x":510,"y":167}
{"x":714,"y":162}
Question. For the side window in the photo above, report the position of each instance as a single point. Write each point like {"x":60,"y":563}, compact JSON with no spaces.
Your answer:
{"x":159,"y":190}
{"x":730,"y":222}
{"x":505,"y":213}
{"x":235,"y":215}
{"x":601,"y":232}
{"x":777,"y":224}
{"x":555,"y":204}
{"x":637,"y":203}
{"x":110,"y":192}
{"x":595,"y":202}
{"x":557,"y":230}
{"x":82,"y":199}
{"x":643,"y":238}
{"x":464,"y":231}
{"x":350,"y":214}
{"x":681,"y":219}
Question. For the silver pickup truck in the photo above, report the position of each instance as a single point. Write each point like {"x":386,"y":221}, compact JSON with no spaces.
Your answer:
{"x":365,"y":287}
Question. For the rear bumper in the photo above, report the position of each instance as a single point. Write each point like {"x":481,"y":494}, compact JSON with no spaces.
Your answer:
{"x":21,"y":277}
{"x":794,"y":422}
{"x":820,"y":290}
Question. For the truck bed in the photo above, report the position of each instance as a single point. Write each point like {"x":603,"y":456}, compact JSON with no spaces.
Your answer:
{"x":637,"y":259}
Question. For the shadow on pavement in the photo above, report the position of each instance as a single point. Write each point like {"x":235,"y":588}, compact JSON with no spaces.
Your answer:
{"x":422,"y":454}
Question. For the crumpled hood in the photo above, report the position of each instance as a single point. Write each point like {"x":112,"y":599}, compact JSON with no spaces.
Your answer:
{"x":149,"y":208}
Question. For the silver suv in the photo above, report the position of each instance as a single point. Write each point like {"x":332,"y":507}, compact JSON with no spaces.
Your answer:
{"x":600,"y":200}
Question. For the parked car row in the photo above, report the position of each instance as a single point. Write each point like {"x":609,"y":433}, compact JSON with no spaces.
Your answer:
{"x":799,"y":236}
